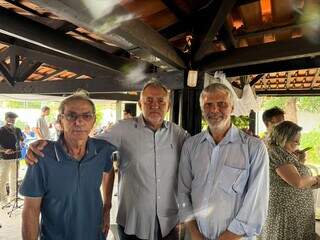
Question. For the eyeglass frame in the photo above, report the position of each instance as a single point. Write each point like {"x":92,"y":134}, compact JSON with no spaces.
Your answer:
{"x":75,"y":116}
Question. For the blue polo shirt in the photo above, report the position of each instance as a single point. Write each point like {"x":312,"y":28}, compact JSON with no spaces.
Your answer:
{"x":71,"y":205}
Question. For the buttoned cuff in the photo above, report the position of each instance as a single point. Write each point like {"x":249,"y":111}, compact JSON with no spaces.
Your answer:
{"x":185,"y":211}
{"x":242,"y":229}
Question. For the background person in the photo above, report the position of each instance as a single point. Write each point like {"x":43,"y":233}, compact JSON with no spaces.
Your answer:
{"x":65,"y":185}
{"x":270,"y":118}
{"x":291,"y":206}
{"x":42,"y":127}
{"x":11,"y":139}
{"x":273,"y":117}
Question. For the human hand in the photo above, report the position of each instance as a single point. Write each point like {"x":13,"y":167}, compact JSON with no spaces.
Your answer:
{"x":9,"y":151}
{"x":227,"y":235}
{"x":35,"y":149}
{"x":106,"y":220}
{"x":196,"y":235}
{"x":301,"y":155}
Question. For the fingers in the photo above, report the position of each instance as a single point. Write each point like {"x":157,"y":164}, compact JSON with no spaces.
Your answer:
{"x":35,"y":149}
{"x":105,"y":230}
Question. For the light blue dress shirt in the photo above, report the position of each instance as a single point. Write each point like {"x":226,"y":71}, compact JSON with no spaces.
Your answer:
{"x":224,"y":186}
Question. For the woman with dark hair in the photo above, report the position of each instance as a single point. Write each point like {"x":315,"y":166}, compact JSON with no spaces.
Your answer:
{"x":291,"y":206}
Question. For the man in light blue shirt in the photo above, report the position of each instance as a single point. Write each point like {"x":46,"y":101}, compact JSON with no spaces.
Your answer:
{"x":223,"y":175}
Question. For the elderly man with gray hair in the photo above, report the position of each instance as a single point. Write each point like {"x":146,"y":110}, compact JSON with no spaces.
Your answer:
{"x":223,"y":175}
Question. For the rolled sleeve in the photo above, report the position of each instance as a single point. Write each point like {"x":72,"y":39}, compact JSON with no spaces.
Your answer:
{"x":184,"y":186}
{"x":252,"y":214}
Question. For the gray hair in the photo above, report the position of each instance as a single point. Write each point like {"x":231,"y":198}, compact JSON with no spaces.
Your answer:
{"x":156,"y":84}
{"x":215,"y":87}
{"x":283,"y":132}
{"x":78,"y":95}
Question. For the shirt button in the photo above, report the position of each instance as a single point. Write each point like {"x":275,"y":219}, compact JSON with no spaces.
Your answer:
{"x":158,"y":197}
{"x":157,"y":164}
{"x":158,"y":179}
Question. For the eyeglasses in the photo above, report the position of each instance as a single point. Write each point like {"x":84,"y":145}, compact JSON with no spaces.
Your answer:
{"x":72,"y":117}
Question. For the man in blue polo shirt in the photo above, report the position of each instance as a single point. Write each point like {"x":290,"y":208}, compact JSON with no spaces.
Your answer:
{"x":65,"y":186}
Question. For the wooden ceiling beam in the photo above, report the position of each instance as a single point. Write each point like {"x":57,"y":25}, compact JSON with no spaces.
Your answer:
{"x":223,"y":9}
{"x":62,"y":62}
{"x":131,"y":31}
{"x":256,"y":79}
{"x":173,"y":80}
{"x":261,"y":54}
{"x":27,"y":30}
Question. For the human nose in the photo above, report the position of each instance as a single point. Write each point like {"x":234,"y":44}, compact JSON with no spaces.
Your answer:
{"x":155,"y":104}
{"x":213,"y":108}
{"x":79,"y":119}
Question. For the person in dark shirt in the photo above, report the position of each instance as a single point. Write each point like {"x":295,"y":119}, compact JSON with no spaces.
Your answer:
{"x":10,"y":140}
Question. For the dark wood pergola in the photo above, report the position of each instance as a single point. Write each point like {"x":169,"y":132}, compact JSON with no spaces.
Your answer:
{"x":114,"y":46}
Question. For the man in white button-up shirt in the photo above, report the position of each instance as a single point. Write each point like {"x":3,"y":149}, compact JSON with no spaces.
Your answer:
{"x":223,"y":175}
{"x":149,"y":149}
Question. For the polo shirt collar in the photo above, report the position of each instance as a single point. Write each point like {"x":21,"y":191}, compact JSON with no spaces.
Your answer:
{"x":61,"y":154}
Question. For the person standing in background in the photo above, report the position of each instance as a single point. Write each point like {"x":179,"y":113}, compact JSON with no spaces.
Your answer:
{"x":42,"y":128}
{"x":11,"y":139}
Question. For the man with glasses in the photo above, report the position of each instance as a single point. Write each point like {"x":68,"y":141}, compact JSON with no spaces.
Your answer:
{"x":149,"y":151}
{"x":65,"y":185}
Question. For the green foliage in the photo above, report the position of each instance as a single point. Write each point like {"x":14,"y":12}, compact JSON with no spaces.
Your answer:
{"x":33,"y":104}
{"x":270,"y":102}
{"x":311,"y":139}
{"x":99,"y":113}
{"x":241,"y":121}
{"x":20,"y":124}
{"x":310,"y":104}
{"x":14,"y":104}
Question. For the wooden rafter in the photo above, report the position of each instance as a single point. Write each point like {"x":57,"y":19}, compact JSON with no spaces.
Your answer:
{"x":220,"y":17}
{"x":266,"y":53}
{"x":32,"y":32}
{"x":130,"y":31}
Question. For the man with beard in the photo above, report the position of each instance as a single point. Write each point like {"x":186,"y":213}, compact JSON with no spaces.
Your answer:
{"x":223,"y":175}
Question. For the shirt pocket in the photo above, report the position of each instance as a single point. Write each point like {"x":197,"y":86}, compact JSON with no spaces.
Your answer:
{"x":233,"y":180}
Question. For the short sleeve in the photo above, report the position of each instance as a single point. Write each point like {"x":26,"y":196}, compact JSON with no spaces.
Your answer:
{"x":108,"y":162}
{"x":113,"y":134}
{"x":279,"y":157}
{"x":33,"y":182}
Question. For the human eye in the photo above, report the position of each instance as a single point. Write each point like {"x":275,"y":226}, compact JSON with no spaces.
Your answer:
{"x":161,"y":100}
{"x":87,"y":116}
{"x":149,"y":100}
{"x":71,"y":116}
{"x":222,"y":104}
